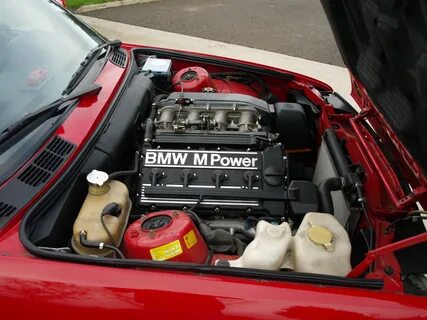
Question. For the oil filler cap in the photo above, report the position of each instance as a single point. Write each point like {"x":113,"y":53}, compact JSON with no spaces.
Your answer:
{"x":321,"y":236}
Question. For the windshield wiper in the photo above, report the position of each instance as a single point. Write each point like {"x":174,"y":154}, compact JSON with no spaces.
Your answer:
{"x":32,"y":120}
{"x":88,"y":61}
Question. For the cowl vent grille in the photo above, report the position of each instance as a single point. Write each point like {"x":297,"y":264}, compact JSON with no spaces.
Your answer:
{"x":119,"y":58}
{"x":6,"y":210}
{"x":47,"y":162}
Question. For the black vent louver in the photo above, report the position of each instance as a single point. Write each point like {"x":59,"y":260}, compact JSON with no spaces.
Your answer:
{"x":119,"y":58}
{"x":47,"y":162}
{"x":6,"y":210}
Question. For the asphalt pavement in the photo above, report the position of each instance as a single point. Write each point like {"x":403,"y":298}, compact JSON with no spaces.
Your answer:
{"x":293,"y":27}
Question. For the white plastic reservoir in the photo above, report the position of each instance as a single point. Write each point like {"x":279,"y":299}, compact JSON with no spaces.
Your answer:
{"x":321,"y":245}
{"x":268,"y":248}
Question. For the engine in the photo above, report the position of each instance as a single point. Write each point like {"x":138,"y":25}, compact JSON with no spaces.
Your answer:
{"x":216,"y":181}
{"x":215,"y":151}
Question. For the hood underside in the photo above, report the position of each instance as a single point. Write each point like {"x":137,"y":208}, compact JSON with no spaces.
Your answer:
{"x":384,"y":45}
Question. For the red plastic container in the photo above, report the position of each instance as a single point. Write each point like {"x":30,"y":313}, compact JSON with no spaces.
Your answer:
{"x":165,"y":235}
{"x":198,"y":79}
{"x":193,"y":79}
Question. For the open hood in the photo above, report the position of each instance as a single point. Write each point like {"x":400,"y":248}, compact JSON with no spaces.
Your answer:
{"x":384,"y":45}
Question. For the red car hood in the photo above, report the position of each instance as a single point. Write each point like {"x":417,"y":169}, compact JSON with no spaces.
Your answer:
{"x":384,"y":45}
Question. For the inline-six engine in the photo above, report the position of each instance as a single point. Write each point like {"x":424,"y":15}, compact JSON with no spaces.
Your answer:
{"x":215,"y":151}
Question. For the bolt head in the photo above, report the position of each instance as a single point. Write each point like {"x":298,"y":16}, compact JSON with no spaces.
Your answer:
{"x":388,"y":270}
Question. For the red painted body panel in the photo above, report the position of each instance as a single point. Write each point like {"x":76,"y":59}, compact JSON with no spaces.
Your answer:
{"x":409,"y":167}
{"x":51,"y":289}
{"x":80,"y":125}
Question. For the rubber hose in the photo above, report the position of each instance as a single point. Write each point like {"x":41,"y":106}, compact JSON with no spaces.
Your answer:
{"x":325,"y":189}
{"x":337,"y":153}
{"x":98,"y":245}
{"x":148,"y":135}
{"x":125,"y":173}
{"x":160,"y":97}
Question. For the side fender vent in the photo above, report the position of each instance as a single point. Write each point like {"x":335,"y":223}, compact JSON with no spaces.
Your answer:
{"x":47,"y":162}
{"x":119,"y":58}
{"x":6,"y":210}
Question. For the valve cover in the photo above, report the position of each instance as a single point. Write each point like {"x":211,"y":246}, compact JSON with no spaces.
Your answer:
{"x":220,"y":181}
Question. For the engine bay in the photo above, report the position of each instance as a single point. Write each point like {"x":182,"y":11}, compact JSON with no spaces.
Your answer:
{"x":212,"y":181}
{"x":218,"y":166}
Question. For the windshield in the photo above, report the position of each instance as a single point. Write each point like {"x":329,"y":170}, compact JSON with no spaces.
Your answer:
{"x":41,"y":46}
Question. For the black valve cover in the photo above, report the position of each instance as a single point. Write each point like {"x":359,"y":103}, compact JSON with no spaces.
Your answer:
{"x":217,"y":181}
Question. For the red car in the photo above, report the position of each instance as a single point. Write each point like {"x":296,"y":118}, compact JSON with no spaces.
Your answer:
{"x":151,"y":183}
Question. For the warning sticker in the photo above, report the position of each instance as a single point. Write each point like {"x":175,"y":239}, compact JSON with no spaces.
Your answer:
{"x":166,"y":251}
{"x":190,"y":239}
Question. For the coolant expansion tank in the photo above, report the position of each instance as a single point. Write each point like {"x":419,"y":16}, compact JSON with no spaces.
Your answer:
{"x":102,"y":192}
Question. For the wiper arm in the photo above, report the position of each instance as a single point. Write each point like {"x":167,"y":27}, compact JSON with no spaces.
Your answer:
{"x":39,"y":116}
{"x":87,"y":62}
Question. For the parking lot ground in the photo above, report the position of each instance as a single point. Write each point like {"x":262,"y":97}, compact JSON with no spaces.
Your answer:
{"x":292,"y":27}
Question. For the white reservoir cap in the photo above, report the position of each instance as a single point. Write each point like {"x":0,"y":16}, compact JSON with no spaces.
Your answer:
{"x":97,"y":178}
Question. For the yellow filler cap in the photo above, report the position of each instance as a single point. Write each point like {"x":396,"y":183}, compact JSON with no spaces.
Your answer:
{"x":320,"y":236}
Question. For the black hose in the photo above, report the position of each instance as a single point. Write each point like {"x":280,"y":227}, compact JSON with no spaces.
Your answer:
{"x":350,"y":179}
{"x":110,"y":236}
{"x":337,"y":153}
{"x":149,"y":129}
{"x":242,"y":231}
{"x":132,"y":172}
{"x":325,"y":189}
{"x":98,"y":245}
{"x":160,"y":97}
